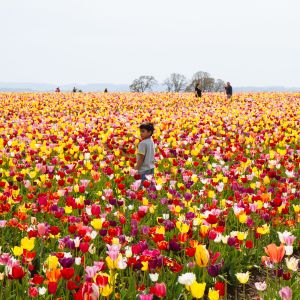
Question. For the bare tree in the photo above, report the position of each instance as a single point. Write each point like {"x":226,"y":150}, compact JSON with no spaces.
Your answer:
{"x":143,"y":83}
{"x":175,"y":83}
{"x":209,"y":84}
{"x":204,"y":79}
{"x":219,"y":85}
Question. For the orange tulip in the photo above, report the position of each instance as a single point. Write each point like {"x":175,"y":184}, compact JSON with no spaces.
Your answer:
{"x":53,"y":276}
{"x":275,"y":253}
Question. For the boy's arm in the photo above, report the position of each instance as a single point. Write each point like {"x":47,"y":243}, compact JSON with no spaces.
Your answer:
{"x":141,"y":155}
{"x":139,"y":161}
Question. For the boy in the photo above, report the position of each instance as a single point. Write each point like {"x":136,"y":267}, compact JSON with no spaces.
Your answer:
{"x":146,"y":151}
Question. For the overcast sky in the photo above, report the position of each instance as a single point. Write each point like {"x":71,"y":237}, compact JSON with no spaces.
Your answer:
{"x":248,"y":42}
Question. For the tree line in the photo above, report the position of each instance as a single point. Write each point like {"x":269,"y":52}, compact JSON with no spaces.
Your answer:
{"x":178,"y":83}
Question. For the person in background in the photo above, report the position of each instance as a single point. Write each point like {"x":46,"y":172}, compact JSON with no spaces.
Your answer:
{"x":57,"y":90}
{"x":105,"y":91}
{"x":198,"y":91}
{"x":74,"y":89}
{"x":228,"y":90}
{"x":146,"y":151}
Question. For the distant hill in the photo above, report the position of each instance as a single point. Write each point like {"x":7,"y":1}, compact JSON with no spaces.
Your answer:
{"x":45,"y":87}
{"x":266,"y":89}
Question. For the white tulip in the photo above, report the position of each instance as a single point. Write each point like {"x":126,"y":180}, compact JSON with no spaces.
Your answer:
{"x":187,"y":279}
{"x":153,"y":277}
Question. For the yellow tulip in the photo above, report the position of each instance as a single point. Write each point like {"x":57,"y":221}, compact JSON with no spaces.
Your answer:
{"x":177,"y":208}
{"x":160,"y":230}
{"x":183,"y":228}
{"x":27,"y":243}
{"x":201,"y":256}
{"x":266,"y":180}
{"x":197,"y":289}
{"x":213,"y":295}
{"x":112,"y":264}
{"x":243,"y":277}
{"x":211,"y":194}
{"x":76,"y":188}
{"x":243,"y":218}
{"x":194,"y":178}
{"x":17,"y":250}
{"x":52,"y":262}
{"x":68,"y":209}
{"x":106,"y":290}
{"x":145,"y":266}
{"x":296,"y":208}
{"x":32,"y":174}
{"x":264,"y":229}
{"x":97,"y":224}
{"x":241,"y":235}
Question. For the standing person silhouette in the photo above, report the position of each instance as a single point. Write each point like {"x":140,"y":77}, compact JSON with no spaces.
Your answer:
{"x":198,"y":91}
{"x":105,"y":91}
{"x":228,"y":90}
{"x":74,"y":89}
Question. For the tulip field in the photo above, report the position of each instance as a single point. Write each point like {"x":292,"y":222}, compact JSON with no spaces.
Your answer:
{"x":220,"y":219}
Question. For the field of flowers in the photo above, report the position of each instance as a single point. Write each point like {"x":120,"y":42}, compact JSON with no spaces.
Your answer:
{"x":220,"y":220}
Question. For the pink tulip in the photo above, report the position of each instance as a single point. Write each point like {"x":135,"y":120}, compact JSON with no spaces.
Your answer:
{"x":113,"y":251}
{"x":84,"y":182}
{"x":91,"y":271}
{"x":50,"y":169}
{"x":27,"y":184}
{"x":132,"y":172}
{"x":290,"y":240}
{"x":2,"y":223}
{"x":70,"y":166}
{"x":136,"y":185}
{"x":99,"y":265}
{"x":286,"y":293}
{"x":41,"y":227}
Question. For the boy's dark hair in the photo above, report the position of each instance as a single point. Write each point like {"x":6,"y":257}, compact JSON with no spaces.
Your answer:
{"x":147,"y":126}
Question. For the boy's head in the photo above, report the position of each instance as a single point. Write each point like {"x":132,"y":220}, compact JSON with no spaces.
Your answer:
{"x":146,"y":130}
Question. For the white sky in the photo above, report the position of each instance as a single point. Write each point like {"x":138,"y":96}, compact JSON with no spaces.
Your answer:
{"x":248,"y":42}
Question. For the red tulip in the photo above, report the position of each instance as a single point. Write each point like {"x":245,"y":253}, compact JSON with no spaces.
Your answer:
{"x":33,"y":292}
{"x":52,"y":287}
{"x":81,"y":189}
{"x":212,"y":219}
{"x":37,"y":279}
{"x":71,"y":285}
{"x":102,"y":280}
{"x":249,"y":244}
{"x":67,"y":273}
{"x":146,"y":183}
{"x":220,"y":286}
{"x":159,"y":290}
{"x":190,"y":252}
{"x":84,"y":247}
{"x":54,"y":230}
{"x":17,"y":272}
{"x":96,"y":209}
